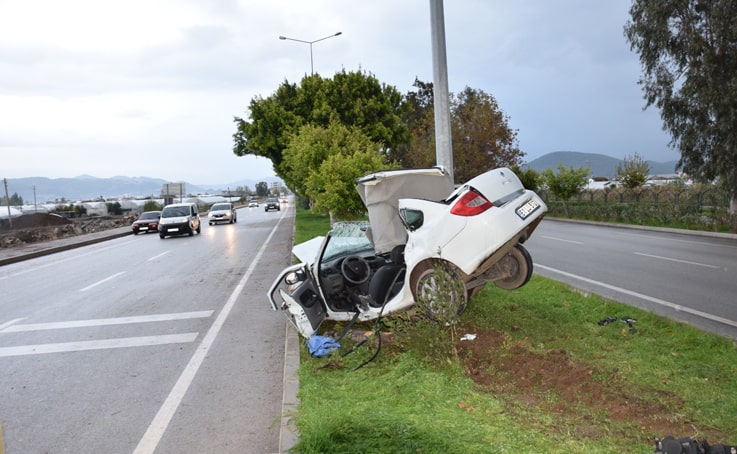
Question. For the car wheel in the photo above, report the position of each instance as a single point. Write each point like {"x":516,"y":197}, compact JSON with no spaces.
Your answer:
{"x":161,"y":235}
{"x":517,"y":266}
{"x":210,"y":223}
{"x":199,"y":229}
{"x":440,"y":292}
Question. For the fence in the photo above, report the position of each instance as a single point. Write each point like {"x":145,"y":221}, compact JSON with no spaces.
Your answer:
{"x":700,"y":207}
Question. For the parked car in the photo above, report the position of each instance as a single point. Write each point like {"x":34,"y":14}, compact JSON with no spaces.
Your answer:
{"x":426,"y":244}
{"x":222,"y":212}
{"x":178,"y":219}
{"x":253,"y":203}
{"x":272,"y":204}
{"x":148,"y":221}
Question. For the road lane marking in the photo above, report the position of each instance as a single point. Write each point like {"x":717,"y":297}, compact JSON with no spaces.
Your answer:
{"x":10,"y":323}
{"x":677,"y":260}
{"x":101,"y":282}
{"x":678,"y":240}
{"x":560,"y":239}
{"x":59,"y":261}
{"x":676,"y":307}
{"x":157,"y":256}
{"x":152,"y":437}
{"x":7,"y":328}
{"x":124,"y":342}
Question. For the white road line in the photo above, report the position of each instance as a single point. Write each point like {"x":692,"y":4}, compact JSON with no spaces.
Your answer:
{"x":677,"y":260}
{"x":101,"y":322}
{"x":560,"y":239}
{"x":123,"y":342}
{"x":654,"y":236}
{"x":658,"y":301}
{"x":163,"y":417}
{"x":59,"y":261}
{"x":102,"y":281}
{"x":9,"y":323}
{"x":157,"y":256}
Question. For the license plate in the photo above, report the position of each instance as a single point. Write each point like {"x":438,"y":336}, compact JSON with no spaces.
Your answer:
{"x":527,"y":208}
{"x":175,"y":229}
{"x":144,"y":228}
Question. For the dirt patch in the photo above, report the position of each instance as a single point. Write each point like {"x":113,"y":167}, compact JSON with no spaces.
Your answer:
{"x":553,"y":382}
{"x":39,"y":227}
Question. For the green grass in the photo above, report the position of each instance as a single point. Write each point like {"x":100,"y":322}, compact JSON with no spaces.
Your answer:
{"x":416,"y":396}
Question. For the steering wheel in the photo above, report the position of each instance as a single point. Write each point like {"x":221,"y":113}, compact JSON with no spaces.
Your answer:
{"x":355,"y":269}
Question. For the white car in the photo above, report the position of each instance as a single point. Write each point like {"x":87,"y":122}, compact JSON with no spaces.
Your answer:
{"x":425,"y":244}
{"x":222,"y":212}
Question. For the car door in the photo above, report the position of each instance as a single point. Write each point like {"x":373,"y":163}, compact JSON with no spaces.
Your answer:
{"x":296,"y":291}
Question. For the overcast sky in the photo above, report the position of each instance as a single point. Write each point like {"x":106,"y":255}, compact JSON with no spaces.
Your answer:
{"x":150,"y":87}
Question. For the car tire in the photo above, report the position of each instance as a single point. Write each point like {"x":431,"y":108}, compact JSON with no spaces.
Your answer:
{"x":162,"y":236}
{"x":199,"y":229}
{"x":519,"y":263}
{"x":210,"y":223}
{"x":440,"y":292}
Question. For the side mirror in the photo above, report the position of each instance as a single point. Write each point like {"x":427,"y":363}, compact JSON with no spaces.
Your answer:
{"x":295,"y":277}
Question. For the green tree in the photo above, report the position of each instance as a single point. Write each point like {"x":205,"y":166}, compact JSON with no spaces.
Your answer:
{"x":333,"y":187}
{"x":566,"y":183}
{"x":420,"y":120}
{"x":15,"y":200}
{"x":322,"y":164}
{"x":352,"y":98}
{"x":152,"y":205}
{"x":529,"y":177}
{"x":633,"y":171}
{"x":481,"y":137}
{"x":262,"y":188}
{"x":688,"y":53}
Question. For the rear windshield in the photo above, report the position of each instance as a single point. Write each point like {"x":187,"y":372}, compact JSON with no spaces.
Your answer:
{"x":150,"y":215}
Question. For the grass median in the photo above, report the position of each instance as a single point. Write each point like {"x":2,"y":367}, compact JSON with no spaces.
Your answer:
{"x":548,"y":369}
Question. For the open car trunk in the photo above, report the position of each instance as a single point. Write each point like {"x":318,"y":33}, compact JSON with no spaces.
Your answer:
{"x":381,"y":191}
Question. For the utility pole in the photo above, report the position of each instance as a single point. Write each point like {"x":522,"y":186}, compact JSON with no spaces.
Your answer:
{"x":7,"y":202}
{"x":443,"y":143}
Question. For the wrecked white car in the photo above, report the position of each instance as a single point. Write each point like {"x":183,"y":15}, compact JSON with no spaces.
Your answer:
{"x":426,"y":243}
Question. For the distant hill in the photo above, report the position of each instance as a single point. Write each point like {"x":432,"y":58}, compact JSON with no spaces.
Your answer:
{"x":600,"y":165}
{"x":85,"y":187}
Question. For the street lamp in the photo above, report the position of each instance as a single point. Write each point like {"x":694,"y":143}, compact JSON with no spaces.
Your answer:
{"x":312,"y":69}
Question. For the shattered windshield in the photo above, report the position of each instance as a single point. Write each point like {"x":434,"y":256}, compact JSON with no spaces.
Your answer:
{"x":347,"y":238}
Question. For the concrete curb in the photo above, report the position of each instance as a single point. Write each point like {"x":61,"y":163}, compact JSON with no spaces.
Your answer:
{"x":65,"y":244}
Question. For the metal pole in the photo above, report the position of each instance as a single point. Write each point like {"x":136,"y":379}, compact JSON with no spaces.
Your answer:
{"x":443,"y":143}
{"x":7,"y":201}
{"x":312,"y":67}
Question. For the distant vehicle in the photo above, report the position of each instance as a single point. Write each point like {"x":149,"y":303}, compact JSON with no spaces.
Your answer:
{"x":178,"y":219}
{"x":148,"y":221}
{"x":222,"y":212}
{"x":253,"y":203}
{"x":272,"y":204}
{"x":284,"y":200}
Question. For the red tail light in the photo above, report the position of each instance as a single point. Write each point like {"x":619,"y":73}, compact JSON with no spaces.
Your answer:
{"x":471,"y":204}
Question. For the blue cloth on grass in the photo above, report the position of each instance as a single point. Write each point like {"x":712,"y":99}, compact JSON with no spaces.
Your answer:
{"x":320,"y":346}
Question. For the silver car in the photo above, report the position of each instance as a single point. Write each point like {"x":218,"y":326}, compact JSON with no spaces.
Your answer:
{"x":222,"y":212}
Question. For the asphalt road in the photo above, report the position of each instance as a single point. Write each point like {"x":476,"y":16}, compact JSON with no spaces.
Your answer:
{"x":143,"y":345}
{"x":688,"y":277}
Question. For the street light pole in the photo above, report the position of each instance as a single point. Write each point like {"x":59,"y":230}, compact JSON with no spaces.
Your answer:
{"x":312,"y":68}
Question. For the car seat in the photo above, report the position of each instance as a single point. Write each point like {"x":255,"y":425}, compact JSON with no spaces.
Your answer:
{"x":388,"y":280}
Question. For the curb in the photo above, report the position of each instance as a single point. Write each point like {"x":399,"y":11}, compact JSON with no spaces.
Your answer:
{"x":72,"y":244}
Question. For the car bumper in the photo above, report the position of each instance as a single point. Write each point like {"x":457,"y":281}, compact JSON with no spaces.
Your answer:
{"x":175,"y":229}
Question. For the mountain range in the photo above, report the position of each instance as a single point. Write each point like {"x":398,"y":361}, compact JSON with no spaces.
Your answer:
{"x":85,"y":187}
{"x":600,"y":165}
